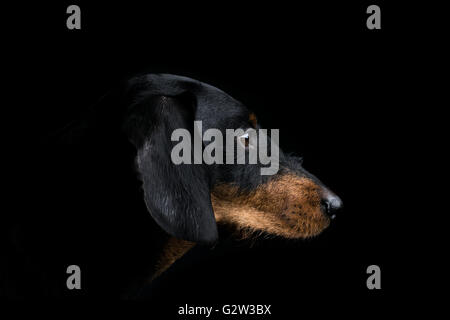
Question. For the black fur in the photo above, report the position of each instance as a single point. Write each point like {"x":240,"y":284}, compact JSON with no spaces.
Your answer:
{"x":95,"y":188}
{"x":147,"y":109}
{"x":177,"y":196}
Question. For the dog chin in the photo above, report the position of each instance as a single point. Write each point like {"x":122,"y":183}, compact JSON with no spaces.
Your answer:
{"x":315,"y":229}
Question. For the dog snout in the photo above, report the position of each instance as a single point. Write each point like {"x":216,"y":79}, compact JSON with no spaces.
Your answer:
{"x":331,"y":203}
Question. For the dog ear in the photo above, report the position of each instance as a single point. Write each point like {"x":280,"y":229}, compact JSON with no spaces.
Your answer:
{"x":177,"y":196}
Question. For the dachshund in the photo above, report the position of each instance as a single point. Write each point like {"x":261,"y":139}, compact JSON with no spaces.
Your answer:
{"x":161,"y":205}
{"x":188,"y":201}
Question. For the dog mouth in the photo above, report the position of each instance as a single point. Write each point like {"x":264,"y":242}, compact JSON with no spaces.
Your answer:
{"x":304,"y":224}
{"x":288,"y":206}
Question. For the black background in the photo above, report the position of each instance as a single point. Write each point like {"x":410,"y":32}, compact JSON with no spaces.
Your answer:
{"x":314,"y":71}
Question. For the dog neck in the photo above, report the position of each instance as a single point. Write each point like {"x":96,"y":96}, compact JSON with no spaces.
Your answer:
{"x":171,"y":251}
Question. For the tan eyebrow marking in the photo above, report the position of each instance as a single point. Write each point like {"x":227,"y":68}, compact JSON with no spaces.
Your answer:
{"x":252,"y":119}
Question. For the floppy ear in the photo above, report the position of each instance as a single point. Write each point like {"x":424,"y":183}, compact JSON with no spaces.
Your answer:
{"x":177,"y":196}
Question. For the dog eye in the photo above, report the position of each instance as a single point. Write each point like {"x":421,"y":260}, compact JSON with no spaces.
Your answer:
{"x":245,"y":140}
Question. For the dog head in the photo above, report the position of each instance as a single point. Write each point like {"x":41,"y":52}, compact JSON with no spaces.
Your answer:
{"x":188,"y":200}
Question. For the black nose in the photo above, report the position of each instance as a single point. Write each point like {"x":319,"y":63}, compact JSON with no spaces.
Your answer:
{"x":331,"y":204}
